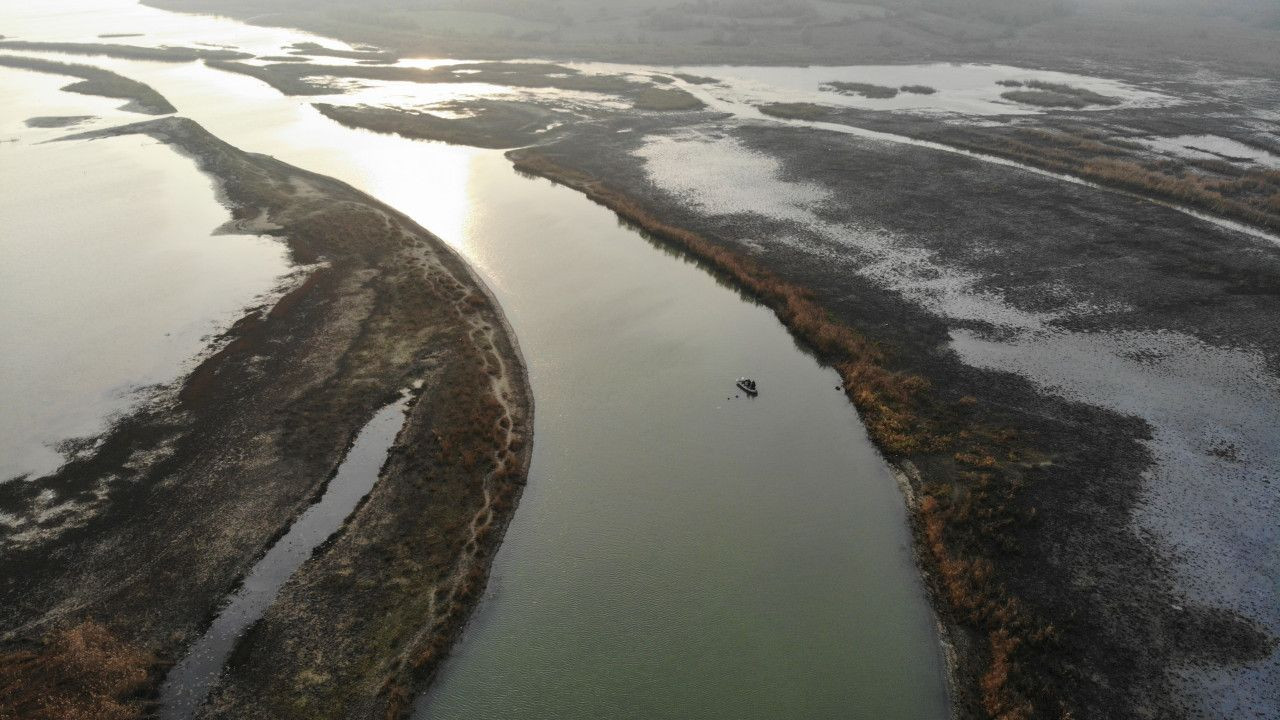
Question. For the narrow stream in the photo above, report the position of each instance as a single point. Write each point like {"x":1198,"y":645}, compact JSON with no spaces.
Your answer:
{"x":189,"y":682}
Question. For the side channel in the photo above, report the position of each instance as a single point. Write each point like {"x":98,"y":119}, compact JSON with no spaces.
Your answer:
{"x":189,"y":681}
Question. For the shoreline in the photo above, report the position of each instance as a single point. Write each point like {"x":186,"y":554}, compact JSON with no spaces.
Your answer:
{"x":907,"y":477}
{"x":254,"y":435}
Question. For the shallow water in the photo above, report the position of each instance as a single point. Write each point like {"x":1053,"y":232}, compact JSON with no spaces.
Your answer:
{"x":1212,"y":147}
{"x":679,"y":551}
{"x":964,"y":88}
{"x":111,"y":281}
{"x":188,"y":683}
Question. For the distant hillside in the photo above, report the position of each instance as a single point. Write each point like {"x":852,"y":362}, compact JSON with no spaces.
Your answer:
{"x":1238,"y":36}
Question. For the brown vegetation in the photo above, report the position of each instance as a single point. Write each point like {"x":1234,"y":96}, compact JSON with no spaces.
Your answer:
{"x":80,"y":673}
{"x":471,"y":441}
{"x":967,"y":516}
{"x":1252,"y":196}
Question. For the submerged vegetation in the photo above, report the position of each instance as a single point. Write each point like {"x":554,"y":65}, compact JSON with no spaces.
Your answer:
{"x":696,"y":79}
{"x":287,"y":83}
{"x":868,"y":90}
{"x":1249,"y":194}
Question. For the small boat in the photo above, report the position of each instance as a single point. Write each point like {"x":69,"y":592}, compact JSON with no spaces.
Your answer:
{"x":748,"y":386}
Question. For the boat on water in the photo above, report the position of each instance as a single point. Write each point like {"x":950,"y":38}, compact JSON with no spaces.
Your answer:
{"x":748,"y":386}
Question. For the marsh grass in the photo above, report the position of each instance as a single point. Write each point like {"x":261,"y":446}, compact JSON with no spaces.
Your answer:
{"x":83,"y":672}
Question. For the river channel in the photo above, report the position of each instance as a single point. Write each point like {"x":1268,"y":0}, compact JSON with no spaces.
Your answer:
{"x":681,"y":550}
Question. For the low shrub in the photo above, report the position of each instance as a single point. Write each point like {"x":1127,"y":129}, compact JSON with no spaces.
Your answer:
{"x":83,"y":672}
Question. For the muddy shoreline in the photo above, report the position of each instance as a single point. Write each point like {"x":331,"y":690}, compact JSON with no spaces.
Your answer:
{"x":96,"y":81}
{"x":201,"y":481}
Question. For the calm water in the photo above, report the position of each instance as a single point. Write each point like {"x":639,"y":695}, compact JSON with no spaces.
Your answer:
{"x":111,"y":281}
{"x":970,"y":89}
{"x":189,"y":682}
{"x":679,"y":552}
